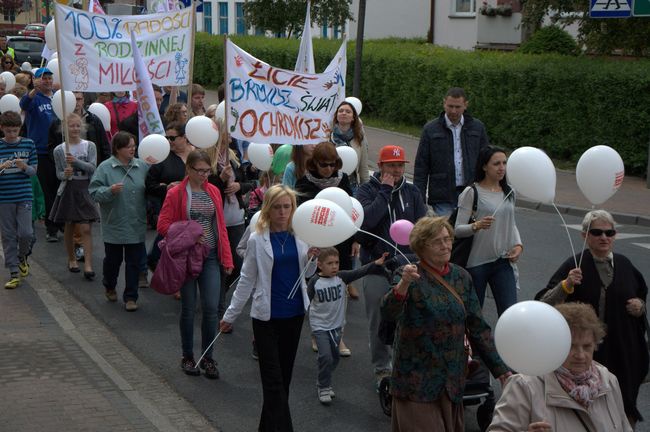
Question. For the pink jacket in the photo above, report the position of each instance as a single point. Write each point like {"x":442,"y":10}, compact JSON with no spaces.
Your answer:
{"x":181,"y":257}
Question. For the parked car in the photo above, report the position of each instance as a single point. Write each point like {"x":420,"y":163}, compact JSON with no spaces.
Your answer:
{"x":37,"y":30}
{"x":26,"y":49}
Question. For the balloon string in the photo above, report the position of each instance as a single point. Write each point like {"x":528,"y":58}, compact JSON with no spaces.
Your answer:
{"x":567,"y":233}
{"x":294,"y":289}
{"x":206,"y":350}
{"x":501,"y":203}
{"x":388,"y":243}
{"x":585,"y":242}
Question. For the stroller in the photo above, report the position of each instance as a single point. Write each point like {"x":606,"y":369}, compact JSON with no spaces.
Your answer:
{"x":477,"y":391}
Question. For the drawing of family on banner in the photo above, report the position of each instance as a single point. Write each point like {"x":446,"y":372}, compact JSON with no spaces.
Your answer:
{"x":270,"y":105}
{"x":97,"y":51}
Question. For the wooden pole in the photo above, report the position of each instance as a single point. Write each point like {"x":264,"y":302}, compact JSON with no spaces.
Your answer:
{"x":191,"y":71}
{"x":225,"y":82}
{"x":64,"y":120}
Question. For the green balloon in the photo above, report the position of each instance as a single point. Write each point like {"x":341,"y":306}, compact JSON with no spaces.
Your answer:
{"x":281,"y":158}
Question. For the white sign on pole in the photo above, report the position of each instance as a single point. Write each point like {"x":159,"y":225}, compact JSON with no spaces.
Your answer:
{"x":95,"y":50}
{"x":271,"y":105}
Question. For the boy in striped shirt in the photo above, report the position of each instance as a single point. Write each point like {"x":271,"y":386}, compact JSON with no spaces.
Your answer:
{"x":18,"y":163}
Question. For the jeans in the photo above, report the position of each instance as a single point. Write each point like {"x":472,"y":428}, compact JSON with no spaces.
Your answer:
{"x":374,"y":289}
{"x":277,"y":342}
{"x":502,"y":281}
{"x":209,"y":285}
{"x":16,"y":230}
{"x":113,"y":256}
{"x":328,"y":354}
{"x":154,"y":254}
{"x":446,"y":208}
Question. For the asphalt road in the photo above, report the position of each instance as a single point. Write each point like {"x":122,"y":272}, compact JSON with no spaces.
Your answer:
{"x":233,"y":403}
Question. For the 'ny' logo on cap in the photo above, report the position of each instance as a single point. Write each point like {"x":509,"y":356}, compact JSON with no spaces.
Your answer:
{"x":396,"y":152}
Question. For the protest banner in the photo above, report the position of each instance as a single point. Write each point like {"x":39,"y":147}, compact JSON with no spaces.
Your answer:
{"x":96,"y":55}
{"x":268,"y":105}
{"x":148,"y":116}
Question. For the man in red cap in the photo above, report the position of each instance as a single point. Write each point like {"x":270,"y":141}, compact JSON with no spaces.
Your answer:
{"x":385,"y":198}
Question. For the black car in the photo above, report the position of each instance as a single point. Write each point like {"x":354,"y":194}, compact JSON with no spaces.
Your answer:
{"x":26,"y":49}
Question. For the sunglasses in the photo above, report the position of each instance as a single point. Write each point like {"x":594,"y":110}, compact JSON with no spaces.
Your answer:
{"x":327,"y":164}
{"x":8,"y":62}
{"x":598,"y":232}
{"x":171,"y":138}
{"x":201,"y":171}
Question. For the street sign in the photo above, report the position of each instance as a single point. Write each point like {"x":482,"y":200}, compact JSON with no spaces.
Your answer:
{"x":612,"y":8}
{"x":641,"y":8}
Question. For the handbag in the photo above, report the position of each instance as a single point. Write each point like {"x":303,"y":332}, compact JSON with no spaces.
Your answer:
{"x":462,"y":247}
{"x":470,"y":365}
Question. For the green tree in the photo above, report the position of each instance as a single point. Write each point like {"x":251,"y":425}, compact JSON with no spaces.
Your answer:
{"x":288,"y":16}
{"x":629,"y":36}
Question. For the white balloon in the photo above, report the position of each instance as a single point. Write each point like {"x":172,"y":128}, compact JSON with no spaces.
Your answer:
{"x":338,"y":196}
{"x":600,"y":173}
{"x":153,"y":149}
{"x":10,"y":80}
{"x":57,"y":103}
{"x":9,"y":102}
{"x":202,"y":132}
{"x":260,"y":155}
{"x":26,"y":67}
{"x":322,"y":223}
{"x":356,"y":103}
{"x":357,"y":212}
{"x":50,"y":35}
{"x":532,"y":337}
{"x":349,"y":158}
{"x":102,"y":113}
{"x":54,"y":55}
{"x":53,"y":65}
{"x":220,"y":113}
{"x":532,"y":174}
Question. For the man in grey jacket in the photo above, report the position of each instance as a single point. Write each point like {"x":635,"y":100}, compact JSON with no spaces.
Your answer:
{"x":447,"y":153}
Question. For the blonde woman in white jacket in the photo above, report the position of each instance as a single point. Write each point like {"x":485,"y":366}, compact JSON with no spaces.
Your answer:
{"x":274,"y":260}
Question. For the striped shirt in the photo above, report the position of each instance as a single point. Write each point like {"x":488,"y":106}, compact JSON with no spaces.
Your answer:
{"x":15,"y":184}
{"x":202,"y":210}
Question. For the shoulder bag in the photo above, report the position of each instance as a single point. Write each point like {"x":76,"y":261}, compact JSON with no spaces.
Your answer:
{"x":463,"y":246}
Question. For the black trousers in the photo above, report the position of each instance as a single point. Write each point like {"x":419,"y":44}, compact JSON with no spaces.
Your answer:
{"x":277,"y":342}
{"x":46,"y":173}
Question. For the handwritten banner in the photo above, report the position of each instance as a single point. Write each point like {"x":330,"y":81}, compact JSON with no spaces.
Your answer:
{"x":271,"y":105}
{"x":95,"y":51}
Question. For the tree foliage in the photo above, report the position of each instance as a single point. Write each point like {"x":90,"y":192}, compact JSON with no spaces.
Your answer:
{"x":550,"y":39}
{"x":627,"y":36}
{"x":288,"y":16}
{"x":12,"y":7}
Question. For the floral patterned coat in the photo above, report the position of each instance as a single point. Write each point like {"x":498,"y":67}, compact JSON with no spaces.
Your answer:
{"x":428,"y":351}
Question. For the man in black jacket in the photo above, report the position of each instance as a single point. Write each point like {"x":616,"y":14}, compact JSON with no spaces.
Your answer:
{"x":447,"y":153}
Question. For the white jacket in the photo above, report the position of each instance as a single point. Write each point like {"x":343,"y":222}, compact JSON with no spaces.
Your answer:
{"x":256,"y":274}
{"x":527,"y":399}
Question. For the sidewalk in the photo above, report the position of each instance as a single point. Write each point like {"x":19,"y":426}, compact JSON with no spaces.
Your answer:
{"x":61,"y":370}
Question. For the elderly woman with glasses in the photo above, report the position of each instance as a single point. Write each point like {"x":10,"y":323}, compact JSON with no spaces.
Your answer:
{"x":616,"y":290}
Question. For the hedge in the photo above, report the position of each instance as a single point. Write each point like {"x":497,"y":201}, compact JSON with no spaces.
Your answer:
{"x":561,"y":104}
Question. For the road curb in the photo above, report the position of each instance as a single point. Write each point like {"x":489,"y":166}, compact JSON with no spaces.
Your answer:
{"x":619,"y":217}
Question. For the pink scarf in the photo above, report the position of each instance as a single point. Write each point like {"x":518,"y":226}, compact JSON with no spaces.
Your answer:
{"x":583,"y":387}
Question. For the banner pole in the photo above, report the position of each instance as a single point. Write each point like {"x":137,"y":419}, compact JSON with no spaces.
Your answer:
{"x":191,"y":71}
{"x":64,"y":120}
{"x":225,"y":82}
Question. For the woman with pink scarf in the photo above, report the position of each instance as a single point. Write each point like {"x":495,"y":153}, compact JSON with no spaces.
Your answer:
{"x":581,"y":395}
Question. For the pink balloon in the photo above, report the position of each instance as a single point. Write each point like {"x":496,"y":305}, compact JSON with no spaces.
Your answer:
{"x":400,"y":231}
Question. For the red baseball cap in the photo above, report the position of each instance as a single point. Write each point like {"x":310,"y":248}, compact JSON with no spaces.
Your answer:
{"x":392,"y":153}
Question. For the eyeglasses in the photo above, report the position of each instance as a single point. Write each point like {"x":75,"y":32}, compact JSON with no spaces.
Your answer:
{"x":440,"y":242}
{"x":598,"y":232}
{"x":327,"y":164}
{"x":171,"y":138}
{"x":8,"y":62}
{"x":201,"y":171}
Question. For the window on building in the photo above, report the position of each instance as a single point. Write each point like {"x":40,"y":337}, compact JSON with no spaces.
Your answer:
{"x":223,"y":18}
{"x":240,"y":22}
{"x":323,"y":32}
{"x":463,"y":7}
{"x":207,"y":17}
{"x":259,"y":31}
{"x":337,"y":32}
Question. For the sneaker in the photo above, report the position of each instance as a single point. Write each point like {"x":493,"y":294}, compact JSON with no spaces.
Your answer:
{"x":254,"y":354}
{"x":131,"y":306}
{"x":189,"y":366}
{"x":344,"y":351}
{"x":209,"y":367}
{"x":51,"y":238}
{"x":23,"y":267}
{"x":332,"y":394}
{"x":379,"y":376}
{"x":79,"y":253}
{"x":142,"y":280}
{"x":111,"y":295}
{"x":14,"y":281}
{"x":324,"y":395}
